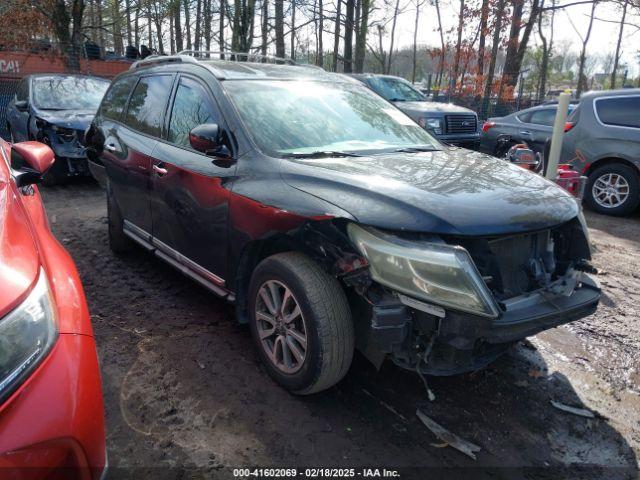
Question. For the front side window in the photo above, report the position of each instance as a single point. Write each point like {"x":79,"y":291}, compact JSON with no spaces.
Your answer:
{"x":395,"y":90}
{"x":302,"y":117}
{"x":191,"y":107}
{"x":68,"y":92}
{"x":620,"y":112}
{"x":116,"y":98}
{"x":147,"y":104}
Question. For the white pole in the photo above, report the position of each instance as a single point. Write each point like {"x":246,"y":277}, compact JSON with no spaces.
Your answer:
{"x":557,"y":136}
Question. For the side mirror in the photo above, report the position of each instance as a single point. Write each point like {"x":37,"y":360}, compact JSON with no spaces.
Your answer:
{"x":30,"y":161}
{"x":22,"y":105}
{"x":205,"y":138}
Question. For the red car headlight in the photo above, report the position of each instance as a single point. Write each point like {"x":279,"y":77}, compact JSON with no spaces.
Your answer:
{"x":26,"y":336}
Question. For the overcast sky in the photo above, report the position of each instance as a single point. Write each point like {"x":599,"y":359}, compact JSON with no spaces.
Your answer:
{"x":603,"y":36}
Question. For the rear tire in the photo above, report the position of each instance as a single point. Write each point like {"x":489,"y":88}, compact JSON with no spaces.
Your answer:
{"x":324,"y":318}
{"x":626,"y":195}
{"x":118,"y":240}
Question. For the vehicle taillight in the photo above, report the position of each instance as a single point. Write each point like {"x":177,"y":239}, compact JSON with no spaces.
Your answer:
{"x":487,"y":125}
{"x":568,"y":126}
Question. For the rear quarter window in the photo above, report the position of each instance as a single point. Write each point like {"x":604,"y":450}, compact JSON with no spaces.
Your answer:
{"x":543,"y":117}
{"x":147,"y":104}
{"x":619,"y":111}
{"x":116,"y":97}
{"x":524,"y":117}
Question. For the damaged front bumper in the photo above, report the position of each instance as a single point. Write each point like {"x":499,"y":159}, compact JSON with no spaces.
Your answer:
{"x":71,"y":156}
{"x":425,"y":337}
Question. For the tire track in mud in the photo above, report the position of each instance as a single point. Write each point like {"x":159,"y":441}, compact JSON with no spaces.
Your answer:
{"x":184,"y":389}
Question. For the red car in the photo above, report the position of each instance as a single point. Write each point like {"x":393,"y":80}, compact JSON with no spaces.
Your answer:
{"x":51,"y":412}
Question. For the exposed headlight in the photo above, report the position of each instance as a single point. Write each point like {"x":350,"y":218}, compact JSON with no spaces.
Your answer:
{"x":64,"y":133}
{"x":26,"y":336}
{"x":435,"y":272}
{"x":432,"y":124}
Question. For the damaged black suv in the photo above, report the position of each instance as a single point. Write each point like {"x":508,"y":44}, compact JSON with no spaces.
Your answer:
{"x":333,"y":220}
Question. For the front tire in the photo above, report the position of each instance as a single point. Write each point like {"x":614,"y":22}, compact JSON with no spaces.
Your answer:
{"x":300,"y":322}
{"x":613,"y":190}
{"x":118,"y":240}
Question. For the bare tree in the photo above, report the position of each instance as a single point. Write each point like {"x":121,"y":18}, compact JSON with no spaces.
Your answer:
{"x":616,"y":57}
{"x":348,"y":36}
{"x":582,"y":81}
{"x":488,"y":88}
{"x":187,"y":22}
{"x":396,"y":10}
{"x":484,"y":14}
{"x":221,"y":43}
{"x":320,"y":49}
{"x":265,"y":26}
{"x":415,"y":42}
{"x":362,"y":29}
{"x":440,"y":72}
{"x":517,"y":45}
{"x":456,"y":62}
{"x":547,"y":51}
{"x":293,"y":29}
{"x":336,"y":36}
{"x":279,"y":27}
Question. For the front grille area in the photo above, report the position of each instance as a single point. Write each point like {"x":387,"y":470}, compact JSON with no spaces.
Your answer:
{"x":512,"y":265}
{"x":463,"y":123}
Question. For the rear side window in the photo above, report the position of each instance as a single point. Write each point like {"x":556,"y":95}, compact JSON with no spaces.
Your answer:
{"x":147,"y":104}
{"x":543,"y":117}
{"x":192,"y":106}
{"x":116,"y":97}
{"x":621,"y":111}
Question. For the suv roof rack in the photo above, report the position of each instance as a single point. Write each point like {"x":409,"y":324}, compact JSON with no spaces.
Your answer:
{"x":159,"y":59}
{"x":236,"y":56}
{"x":195,"y":56}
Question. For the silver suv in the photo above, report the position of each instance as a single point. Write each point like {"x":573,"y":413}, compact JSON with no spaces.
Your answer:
{"x":603,"y":142}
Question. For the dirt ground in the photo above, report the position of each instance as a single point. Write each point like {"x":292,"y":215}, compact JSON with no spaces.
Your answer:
{"x":186,"y":397}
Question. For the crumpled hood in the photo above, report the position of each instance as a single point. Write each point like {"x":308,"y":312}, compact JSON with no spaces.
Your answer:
{"x":454,"y":191}
{"x":19,"y":261}
{"x":77,"y":120}
{"x":431,"y":107}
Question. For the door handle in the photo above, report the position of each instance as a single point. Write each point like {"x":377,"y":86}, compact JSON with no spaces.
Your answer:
{"x":110,"y":147}
{"x":161,"y":172}
{"x":525,"y":132}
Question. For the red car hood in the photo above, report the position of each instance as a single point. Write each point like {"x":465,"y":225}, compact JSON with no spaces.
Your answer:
{"x":19,"y":262}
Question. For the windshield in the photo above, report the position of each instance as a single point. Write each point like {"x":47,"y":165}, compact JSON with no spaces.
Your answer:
{"x":303,"y":117}
{"x":68,"y":93}
{"x":395,"y":90}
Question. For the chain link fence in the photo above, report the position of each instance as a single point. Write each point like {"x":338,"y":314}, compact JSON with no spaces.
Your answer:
{"x":492,"y":107}
{"x":45,"y":58}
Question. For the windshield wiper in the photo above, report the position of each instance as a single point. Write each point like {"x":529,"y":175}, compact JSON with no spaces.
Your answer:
{"x":320,"y":154}
{"x":416,"y":149}
{"x":397,"y":100}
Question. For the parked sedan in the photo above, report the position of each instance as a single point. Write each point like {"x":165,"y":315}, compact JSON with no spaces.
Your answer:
{"x":532,"y":126}
{"x":56,"y":110}
{"x":449,"y":123}
{"x":333,"y":221}
{"x":51,"y":413}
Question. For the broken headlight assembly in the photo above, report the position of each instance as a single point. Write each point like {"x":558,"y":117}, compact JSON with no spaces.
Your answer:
{"x":27,"y":334}
{"x":63,"y":134}
{"x":431,"y":271}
